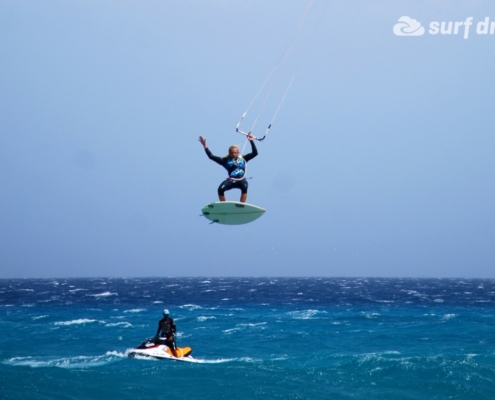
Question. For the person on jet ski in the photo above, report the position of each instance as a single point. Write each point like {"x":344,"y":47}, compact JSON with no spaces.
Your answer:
{"x":166,"y":329}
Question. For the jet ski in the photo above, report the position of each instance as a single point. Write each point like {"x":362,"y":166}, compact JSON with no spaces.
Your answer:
{"x":155,"y":348}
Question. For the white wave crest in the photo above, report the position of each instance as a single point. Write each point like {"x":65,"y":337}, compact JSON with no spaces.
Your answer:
{"x":104,"y":294}
{"x":191,"y":306}
{"x":40,"y":317}
{"x":123,"y":324}
{"x":66,"y":362}
{"x":253,"y":324}
{"x":217,"y":361}
{"x":229,"y":331}
{"x":241,"y":327}
{"x":76,"y":322}
{"x":202,"y":318}
{"x":306,"y":314}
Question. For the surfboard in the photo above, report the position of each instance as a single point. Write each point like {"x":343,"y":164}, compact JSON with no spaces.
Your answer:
{"x":232,"y":212}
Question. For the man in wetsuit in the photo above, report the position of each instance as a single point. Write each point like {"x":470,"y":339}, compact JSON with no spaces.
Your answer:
{"x":235,"y":164}
{"x":166,"y":329}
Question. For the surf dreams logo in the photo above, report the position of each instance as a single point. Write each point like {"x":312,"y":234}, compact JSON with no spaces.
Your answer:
{"x":407,"y":26}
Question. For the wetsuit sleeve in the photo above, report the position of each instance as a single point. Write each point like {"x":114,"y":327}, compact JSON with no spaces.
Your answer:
{"x":158,"y":331}
{"x":254,"y":152}
{"x":217,"y":159}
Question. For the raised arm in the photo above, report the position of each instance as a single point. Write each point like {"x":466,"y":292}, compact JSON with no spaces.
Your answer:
{"x":254,"y":150}
{"x":218,"y":160}
{"x":203,"y":142}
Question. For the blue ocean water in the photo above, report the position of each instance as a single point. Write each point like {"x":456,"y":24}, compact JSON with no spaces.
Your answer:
{"x":259,"y":338}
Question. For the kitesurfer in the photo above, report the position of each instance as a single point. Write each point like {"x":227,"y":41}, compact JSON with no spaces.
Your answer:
{"x":167,"y":329}
{"x":235,"y":164}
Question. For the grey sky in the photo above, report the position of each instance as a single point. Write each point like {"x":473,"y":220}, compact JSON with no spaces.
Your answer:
{"x":380,"y":162}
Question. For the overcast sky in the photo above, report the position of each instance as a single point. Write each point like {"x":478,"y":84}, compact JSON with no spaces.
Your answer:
{"x":379,"y":163}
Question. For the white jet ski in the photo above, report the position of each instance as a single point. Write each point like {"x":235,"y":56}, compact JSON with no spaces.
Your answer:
{"x":154,"y":348}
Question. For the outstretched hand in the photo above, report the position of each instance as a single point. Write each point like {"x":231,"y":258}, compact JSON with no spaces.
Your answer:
{"x":250,"y":137}
{"x":203,"y":141}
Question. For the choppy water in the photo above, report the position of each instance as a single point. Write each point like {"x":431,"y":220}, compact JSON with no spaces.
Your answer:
{"x":254,"y":338}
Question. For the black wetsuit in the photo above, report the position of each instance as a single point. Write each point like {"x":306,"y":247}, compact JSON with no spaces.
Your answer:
{"x":166,"y":329}
{"x":236,"y":169}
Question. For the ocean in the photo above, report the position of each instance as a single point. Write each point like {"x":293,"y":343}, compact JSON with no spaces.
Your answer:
{"x":253,"y":338}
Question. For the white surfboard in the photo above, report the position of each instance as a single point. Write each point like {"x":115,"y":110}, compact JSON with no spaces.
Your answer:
{"x":232,"y":212}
